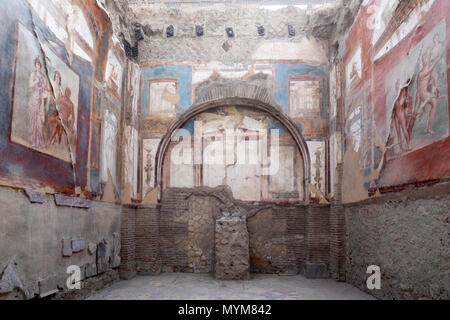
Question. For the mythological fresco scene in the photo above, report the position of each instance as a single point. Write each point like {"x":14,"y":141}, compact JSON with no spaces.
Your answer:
{"x":300,"y":148}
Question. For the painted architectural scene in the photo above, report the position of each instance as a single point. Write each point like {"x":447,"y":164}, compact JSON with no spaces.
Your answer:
{"x":170,"y":89}
{"x":250,"y":152}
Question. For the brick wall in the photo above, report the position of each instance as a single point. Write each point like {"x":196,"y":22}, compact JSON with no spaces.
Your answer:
{"x":317,"y":234}
{"x":337,"y":232}
{"x":178,"y":235}
{"x":140,"y":241}
{"x":173,"y":205}
{"x":277,"y":240}
{"x":147,"y":240}
{"x":127,"y":268}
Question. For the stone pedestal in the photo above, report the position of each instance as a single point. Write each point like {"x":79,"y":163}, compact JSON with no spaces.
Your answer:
{"x":232,"y":249}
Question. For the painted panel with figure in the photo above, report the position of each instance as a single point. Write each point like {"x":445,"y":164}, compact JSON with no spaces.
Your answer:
{"x":113,"y":73}
{"x":397,"y":113}
{"x":109,"y":146}
{"x":163,"y":98}
{"x":304,"y":98}
{"x":131,"y":159}
{"x":45,"y":112}
{"x":417,"y":98}
{"x":150,"y":147}
{"x":317,"y":154}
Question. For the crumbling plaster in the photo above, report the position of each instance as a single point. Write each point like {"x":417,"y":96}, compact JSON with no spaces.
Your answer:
{"x":316,"y":29}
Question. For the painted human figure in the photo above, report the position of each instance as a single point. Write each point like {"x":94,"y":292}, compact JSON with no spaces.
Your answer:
{"x":149,"y":168}
{"x":436,"y":51}
{"x":401,"y":113}
{"x":39,"y":88}
{"x":54,"y":122}
{"x":66,"y":110}
{"x":427,"y":93}
{"x":354,"y":74}
{"x":109,"y":147}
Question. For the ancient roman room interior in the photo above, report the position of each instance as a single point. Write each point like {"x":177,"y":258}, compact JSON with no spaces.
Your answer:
{"x":301,"y":147}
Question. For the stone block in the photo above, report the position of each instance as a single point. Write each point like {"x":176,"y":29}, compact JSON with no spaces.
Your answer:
{"x":35,"y":196}
{"x":232,"y":249}
{"x":199,"y":31}
{"x":66,"y":201}
{"x":48,"y":286}
{"x":230,"y":32}
{"x":261,"y":31}
{"x":67,"y":247}
{"x":102,"y":262}
{"x":10,"y":279}
{"x":116,"y":250}
{"x":78,"y":245}
{"x":291,"y":30}
{"x":170,"y":31}
{"x":92,"y":248}
{"x":90,"y":270}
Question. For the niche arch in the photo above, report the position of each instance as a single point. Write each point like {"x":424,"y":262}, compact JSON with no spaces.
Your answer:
{"x":270,"y":108}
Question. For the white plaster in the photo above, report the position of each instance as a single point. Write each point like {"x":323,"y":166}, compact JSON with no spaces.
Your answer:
{"x":109,"y":146}
{"x":354,"y":67}
{"x":284,"y":179}
{"x":304,"y":98}
{"x":131,"y":158}
{"x":317,"y":151}
{"x":405,"y":28}
{"x":158,"y":106}
{"x":150,"y":147}
{"x":306,"y":50}
{"x":114,"y":72}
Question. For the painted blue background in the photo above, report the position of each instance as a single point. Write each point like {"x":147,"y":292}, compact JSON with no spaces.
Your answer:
{"x":183,"y":73}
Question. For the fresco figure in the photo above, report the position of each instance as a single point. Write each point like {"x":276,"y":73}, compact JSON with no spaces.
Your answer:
{"x":149,"y":168}
{"x":66,"y":110}
{"x":401,"y":115}
{"x":54,"y":122}
{"x":427,"y":92}
{"x":39,"y":87}
{"x":354,"y":74}
{"x":61,"y":114}
{"x":109,"y":146}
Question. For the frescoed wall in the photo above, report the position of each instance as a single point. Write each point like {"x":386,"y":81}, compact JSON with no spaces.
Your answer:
{"x":241,"y":148}
{"x":60,"y":145}
{"x":301,"y":91}
{"x":396,"y":103}
{"x":62,"y":98}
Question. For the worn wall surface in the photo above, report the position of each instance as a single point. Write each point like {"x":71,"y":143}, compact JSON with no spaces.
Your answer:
{"x":247,"y":150}
{"x":63,"y":96}
{"x":307,"y":43}
{"x":66,"y":83}
{"x":300,"y":90}
{"x":38,"y":242}
{"x":407,"y":236}
{"x":392,"y":110}
{"x":282,"y":238}
{"x":396,"y":97}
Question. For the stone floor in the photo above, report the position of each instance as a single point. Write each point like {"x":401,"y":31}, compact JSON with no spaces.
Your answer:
{"x":177,"y":286}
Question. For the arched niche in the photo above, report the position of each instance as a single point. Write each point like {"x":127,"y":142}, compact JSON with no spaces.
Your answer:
{"x":267,"y":107}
